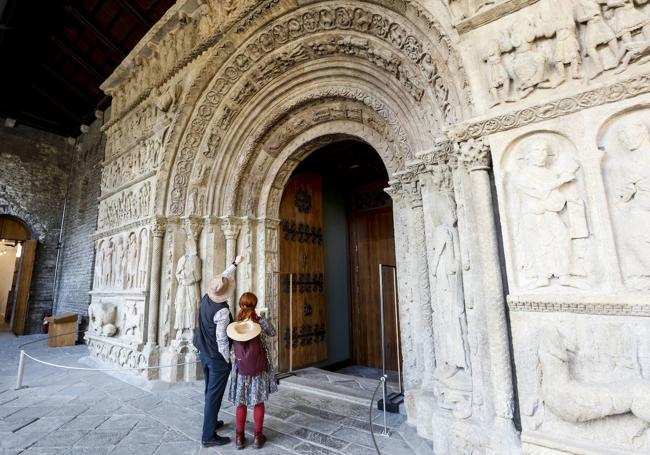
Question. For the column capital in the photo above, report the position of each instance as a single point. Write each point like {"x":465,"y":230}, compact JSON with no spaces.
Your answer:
{"x":231,"y":226}
{"x":474,"y":154}
{"x":409,"y":183}
{"x":159,"y":226}
{"x":192,"y":226}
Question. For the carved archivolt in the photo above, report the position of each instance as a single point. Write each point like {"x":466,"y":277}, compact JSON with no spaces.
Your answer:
{"x":307,"y":36}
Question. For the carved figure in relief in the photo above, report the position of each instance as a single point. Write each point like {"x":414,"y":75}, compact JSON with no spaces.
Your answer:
{"x":447,"y":269}
{"x":626,"y":20}
{"x":131,"y":320}
{"x":567,"y":51}
{"x":498,"y":78}
{"x":630,"y":181}
{"x":188,"y":275}
{"x":528,"y":64}
{"x":577,"y":401}
{"x":206,"y":20}
{"x":549,"y":218}
{"x":132,"y":261}
{"x":595,"y":32}
{"x":107,"y":264}
{"x":101,"y":318}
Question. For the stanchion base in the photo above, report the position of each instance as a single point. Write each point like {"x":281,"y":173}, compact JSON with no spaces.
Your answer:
{"x":392,"y":403}
{"x":280,"y":376}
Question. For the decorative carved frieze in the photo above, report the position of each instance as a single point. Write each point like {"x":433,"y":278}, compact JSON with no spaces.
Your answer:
{"x":536,"y":304}
{"x":129,"y":205}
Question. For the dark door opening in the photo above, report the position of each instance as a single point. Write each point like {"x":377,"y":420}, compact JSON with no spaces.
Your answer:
{"x":336,"y":228}
{"x":17,"y":254}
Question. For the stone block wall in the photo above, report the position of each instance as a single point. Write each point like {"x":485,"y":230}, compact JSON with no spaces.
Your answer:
{"x":32,"y":187}
{"x":77,"y":249}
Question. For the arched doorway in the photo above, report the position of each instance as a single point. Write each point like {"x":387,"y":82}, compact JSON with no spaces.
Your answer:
{"x":17,"y":254}
{"x":336,"y":228}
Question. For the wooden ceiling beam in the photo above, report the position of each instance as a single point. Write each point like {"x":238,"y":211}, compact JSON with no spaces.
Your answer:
{"x":69,"y":86}
{"x":77,"y":58}
{"x":127,"y":5}
{"x":56,"y":103}
{"x":95,"y":30}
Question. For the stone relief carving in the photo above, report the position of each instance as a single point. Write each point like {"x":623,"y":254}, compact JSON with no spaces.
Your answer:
{"x":188,"y":292}
{"x":132,"y":321}
{"x":626,"y":170}
{"x":585,"y":382}
{"x":136,"y":163}
{"x":122,"y":261}
{"x":577,"y":401}
{"x":101,"y":318}
{"x":618,"y":91}
{"x":452,"y":359}
{"x":117,"y":355}
{"x":547,"y":46}
{"x":128,"y":205}
{"x":547,"y":213}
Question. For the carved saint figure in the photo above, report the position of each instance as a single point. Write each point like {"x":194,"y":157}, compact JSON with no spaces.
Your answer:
{"x":630,"y":179}
{"x":132,"y":261}
{"x":449,"y":290}
{"x":596,"y":32}
{"x":188,"y":294}
{"x":206,"y":21}
{"x":549,"y":218}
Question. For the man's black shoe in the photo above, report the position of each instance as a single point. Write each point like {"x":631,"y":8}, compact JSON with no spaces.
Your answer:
{"x":216,"y":440}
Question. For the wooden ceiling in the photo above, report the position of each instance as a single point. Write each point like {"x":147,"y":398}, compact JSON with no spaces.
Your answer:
{"x":54,"y":55}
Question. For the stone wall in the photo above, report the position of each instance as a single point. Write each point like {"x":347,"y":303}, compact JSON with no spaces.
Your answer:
{"x":32,"y":187}
{"x":77,"y":250}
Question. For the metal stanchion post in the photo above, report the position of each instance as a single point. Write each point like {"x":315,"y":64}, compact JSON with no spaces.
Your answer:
{"x":21,"y":370}
{"x":383,"y":383}
{"x":291,"y":323}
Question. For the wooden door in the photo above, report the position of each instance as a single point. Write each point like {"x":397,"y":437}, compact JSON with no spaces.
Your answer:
{"x":372,"y":242}
{"x":302,"y":254}
{"x":22,"y":287}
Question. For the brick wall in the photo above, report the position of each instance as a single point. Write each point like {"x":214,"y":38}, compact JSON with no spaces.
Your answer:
{"x":33,"y":181}
{"x":78,"y":252}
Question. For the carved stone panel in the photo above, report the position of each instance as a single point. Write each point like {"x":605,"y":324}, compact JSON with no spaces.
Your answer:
{"x":625,"y":141}
{"x":583,"y":382}
{"x":546,"y":214}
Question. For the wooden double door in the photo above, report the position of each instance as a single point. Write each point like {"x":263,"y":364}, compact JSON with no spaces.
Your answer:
{"x":303,"y":321}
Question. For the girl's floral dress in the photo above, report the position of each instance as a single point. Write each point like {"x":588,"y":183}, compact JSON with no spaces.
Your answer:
{"x":251,"y":390}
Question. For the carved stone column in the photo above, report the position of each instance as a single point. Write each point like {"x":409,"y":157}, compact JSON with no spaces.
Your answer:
{"x":231,"y":227}
{"x":419,"y":273}
{"x":406,"y":318}
{"x":474,"y":155}
{"x":158,"y":231}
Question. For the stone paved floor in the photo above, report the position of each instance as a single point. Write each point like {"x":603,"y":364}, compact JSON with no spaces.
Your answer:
{"x":78,"y":412}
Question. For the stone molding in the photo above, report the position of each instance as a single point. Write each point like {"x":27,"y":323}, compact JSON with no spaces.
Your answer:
{"x":496,"y":12}
{"x":618,"y":91}
{"x":581,"y":306}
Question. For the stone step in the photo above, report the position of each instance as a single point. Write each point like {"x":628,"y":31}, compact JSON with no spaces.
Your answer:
{"x":339,"y":386}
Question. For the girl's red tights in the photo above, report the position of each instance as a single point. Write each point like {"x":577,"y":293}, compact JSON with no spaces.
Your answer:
{"x":258,"y":417}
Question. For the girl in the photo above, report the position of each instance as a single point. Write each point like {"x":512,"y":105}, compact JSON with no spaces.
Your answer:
{"x":251,"y":390}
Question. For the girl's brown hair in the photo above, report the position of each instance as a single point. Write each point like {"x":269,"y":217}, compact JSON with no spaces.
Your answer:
{"x":247,"y":304}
